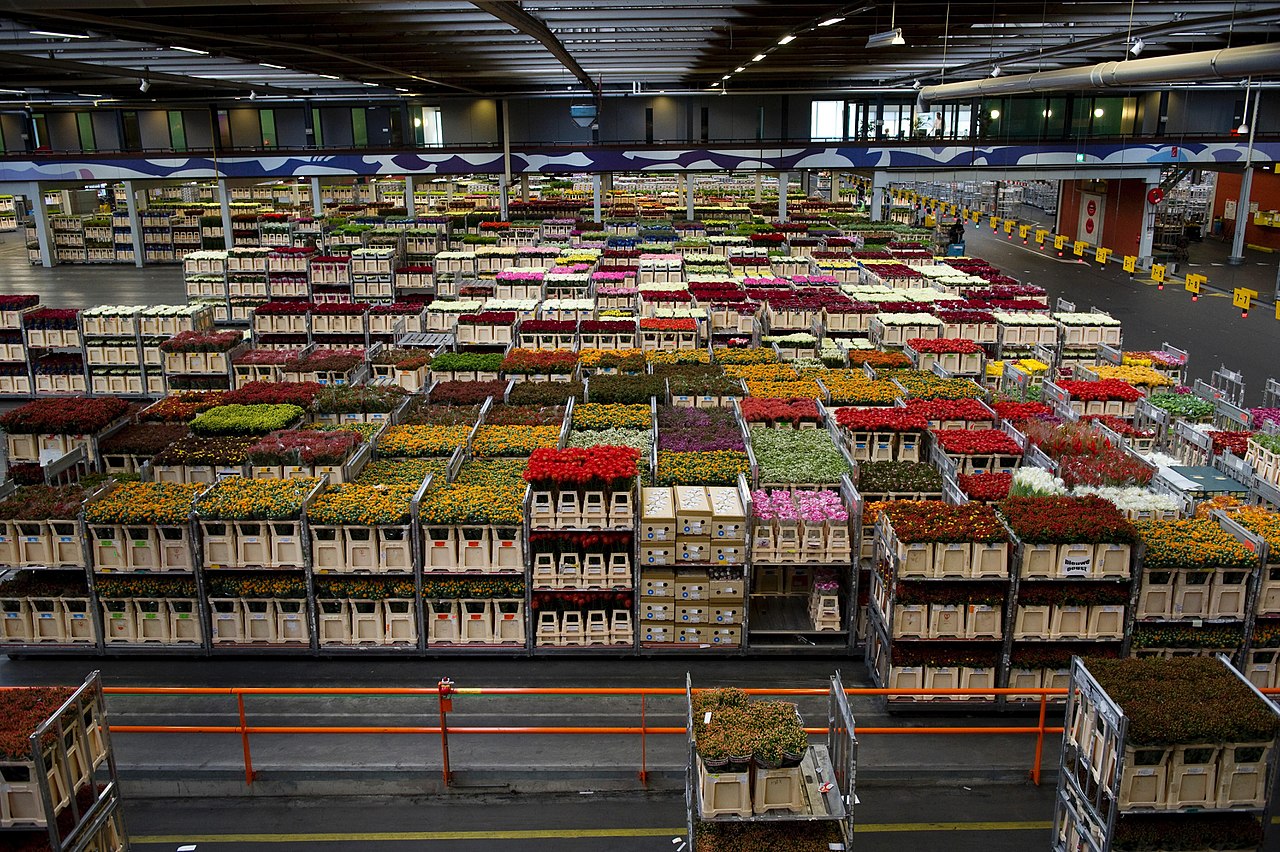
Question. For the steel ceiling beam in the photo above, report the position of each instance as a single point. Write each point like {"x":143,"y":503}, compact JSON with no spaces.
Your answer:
{"x":117,"y":74}
{"x":510,"y":13}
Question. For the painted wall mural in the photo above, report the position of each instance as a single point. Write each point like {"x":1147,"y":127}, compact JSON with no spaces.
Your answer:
{"x":82,"y":168}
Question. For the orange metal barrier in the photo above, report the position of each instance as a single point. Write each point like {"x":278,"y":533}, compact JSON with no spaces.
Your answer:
{"x":446,"y":689}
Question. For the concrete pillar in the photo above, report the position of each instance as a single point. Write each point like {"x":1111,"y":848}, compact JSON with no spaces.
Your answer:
{"x":835,"y":186}
{"x":40,"y":213}
{"x":317,"y":205}
{"x":759,"y":187}
{"x":595,"y":196}
{"x":688,"y":197}
{"x":879,"y":183}
{"x":1147,"y":234}
{"x":503,"y":192}
{"x":783,"y":179}
{"x":135,"y":221}
{"x":524,"y":188}
{"x":1242,"y":218}
{"x":410,"y":206}
{"x":224,"y":199}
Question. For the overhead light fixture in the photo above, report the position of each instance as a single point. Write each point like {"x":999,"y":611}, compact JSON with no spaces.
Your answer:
{"x":14,"y":91}
{"x":1243,"y":128}
{"x":52,"y":34}
{"x":995,"y":113}
{"x":997,"y":71}
{"x":335,"y":76}
{"x":368,"y":84}
{"x":88,"y":95}
{"x":1099,"y":112}
{"x":1048,"y":113}
{"x":786,"y":39}
{"x":253,"y":95}
{"x":1137,"y":46}
{"x":740,"y":69}
{"x":892,"y":38}
{"x":725,"y":77}
{"x":830,"y":22}
{"x":398,"y":89}
{"x":757,"y":57}
{"x":144,"y":85}
{"x":189,"y":50}
{"x":269,"y":65}
{"x":916,"y":84}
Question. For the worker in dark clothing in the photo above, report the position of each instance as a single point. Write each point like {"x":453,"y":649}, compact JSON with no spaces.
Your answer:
{"x":957,"y":233}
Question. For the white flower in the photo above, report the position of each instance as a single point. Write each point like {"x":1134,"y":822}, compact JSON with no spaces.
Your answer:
{"x":1131,"y":499}
{"x":1036,"y":481}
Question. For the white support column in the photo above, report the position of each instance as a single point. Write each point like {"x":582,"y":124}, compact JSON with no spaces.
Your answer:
{"x":879,"y":183}
{"x":503,"y":193}
{"x":410,"y":206}
{"x":135,"y":222}
{"x":595,"y":196}
{"x":1236,"y":257}
{"x":688,"y":197}
{"x":1146,"y":236}
{"x":40,"y":213}
{"x":783,"y":180}
{"x":524,"y":188}
{"x":835,"y":186}
{"x":317,"y":204}
{"x":759,"y":187}
{"x":224,"y":199}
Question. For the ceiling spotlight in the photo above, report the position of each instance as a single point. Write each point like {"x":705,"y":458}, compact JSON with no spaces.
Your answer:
{"x":1137,"y":46}
{"x":253,"y":95}
{"x":786,"y":39}
{"x":1243,"y":128}
{"x":830,"y":22}
{"x":1099,"y":112}
{"x":916,"y":84}
{"x":996,"y":72}
{"x":892,"y":38}
{"x":758,"y":57}
{"x":740,"y":69}
{"x":725,"y":77}
{"x":995,"y":113}
{"x":144,"y":85}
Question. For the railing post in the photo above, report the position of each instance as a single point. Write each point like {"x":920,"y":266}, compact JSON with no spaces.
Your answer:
{"x":644,"y":764}
{"x":445,"y":689}
{"x":1035,"y":770}
{"x":244,"y":741}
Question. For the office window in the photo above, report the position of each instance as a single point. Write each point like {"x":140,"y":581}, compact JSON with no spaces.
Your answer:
{"x":826,"y":121}
{"x":648,"y":125}
{"x":177,"y":131}
{"x":706,"y":125}
{"x":760,"y":125}
{"x":84,"y":127}
{"x":359,"y":128}
{"x":224,"y":129}
{"x":132,"y":132}
{"x":860,"y":113}
{"x":41,"y":126}
{"x":267,"y":118}
{"x":317,"y":133}
{"x":426,"y":126}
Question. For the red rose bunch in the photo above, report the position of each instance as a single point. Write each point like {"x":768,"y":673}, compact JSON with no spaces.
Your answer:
{"x":488,"y":318}
{"x":599,"y":468}
{"x":934,"y":520}
{"x":1067,"y":520}
{"x":771,"y":410}
{"x":688,"y":324}
{"x":1107,"y":389}
{"x":970,"y":410}
{"x":985,"y":487}
{"x":1236,"y":442}
{"x":541,"y":361}
{"x":542,"y":326}
{"x":944,"y":345}
{"x":1020,"y":411}
{"x":881,"y":420}
{"x":976,"y":442}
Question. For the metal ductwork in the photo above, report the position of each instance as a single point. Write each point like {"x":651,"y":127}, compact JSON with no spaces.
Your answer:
{"x":1232,"y":63}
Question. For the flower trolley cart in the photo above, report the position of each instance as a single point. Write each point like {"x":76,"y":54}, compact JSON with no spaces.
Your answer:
{"x":753,"y":776}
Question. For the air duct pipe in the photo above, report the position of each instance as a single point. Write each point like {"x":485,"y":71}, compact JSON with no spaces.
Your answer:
{"x":1232,"y":63}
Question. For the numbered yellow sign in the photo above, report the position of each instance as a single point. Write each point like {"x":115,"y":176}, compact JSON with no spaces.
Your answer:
{"x":1193,"y":282}
{"x":1242,"y":297}
{"x":995,"y":220}
{"x":977,"y":217}
{"x":964,"y":213}
{"x":1023,"y":230}
{"x":1157,"y":272}
{"x":1008,"y":226}
{"x":1041,"y":235}
{"x":1130,"y":264}
{"x":1103,"y":255}
{"x":1078,"y":247}
{"x":1059,"y":241}
{"x":951,"y":208}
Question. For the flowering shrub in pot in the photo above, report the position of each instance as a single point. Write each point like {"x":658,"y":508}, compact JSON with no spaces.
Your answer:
{"x":238,"y":499}
{"x":545,"y":393}
{"x":70,"y":416}
{"x":771,"y":410}
{"x":486,"y":492}
{"x":142,"y":439}
{"x":226,"y":420}
{"x":202,"y":341}
{"x":465,"y":393}
{"x":129,"y":503}
{"x":414,"y":441}
{"x":797,"y":456}
{"x":301,"y":394}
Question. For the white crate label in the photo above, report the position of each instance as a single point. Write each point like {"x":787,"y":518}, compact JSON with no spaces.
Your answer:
{"x":955,"y":547}
{"x":291,"y":618}
{"x":1075,"y":566}
{"x":257,"y":617}
{"x":285,"y":540}
{"x":250,"y":540}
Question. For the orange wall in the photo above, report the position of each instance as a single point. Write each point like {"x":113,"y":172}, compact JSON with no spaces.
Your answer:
{"x":1121,"y":213}
{"x":1265,"y":191}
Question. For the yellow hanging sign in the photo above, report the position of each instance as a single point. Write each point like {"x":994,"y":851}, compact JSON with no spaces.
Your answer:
{"x":1103,"y":255}
{"x":951,"y":208}
{"x":977,"y":217}
{"x":1157,"y":272}
{"x":1008,"y":226}
{"x":1023,"y":230}
{"x":995,"y":220}
{"x":1242,"y":297}
{"x":1041,"y":234}
{"x":1193,"y":282}
{"x":1059,"y":241}
{"x":1078,"y":247}
{"x":1130,"y":264}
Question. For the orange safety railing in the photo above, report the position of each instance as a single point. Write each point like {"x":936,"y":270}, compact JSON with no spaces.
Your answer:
{"x":445,"y":690}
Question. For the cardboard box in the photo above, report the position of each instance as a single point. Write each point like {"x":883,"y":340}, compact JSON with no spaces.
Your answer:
{"x":728,"y":554}
{"x":694,"y":550}
{"x":693,"y":510}
{"x":658,"y":584}
{"x":691,"y":615}
{"x":726,"y":590}
{"x":657,"y":555}
{"x":657,"y":515}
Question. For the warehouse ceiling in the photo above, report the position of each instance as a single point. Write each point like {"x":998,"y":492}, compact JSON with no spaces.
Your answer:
{"x":100,"y":49}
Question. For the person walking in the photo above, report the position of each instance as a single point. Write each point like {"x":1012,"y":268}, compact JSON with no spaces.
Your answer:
{"x":956,"y":234}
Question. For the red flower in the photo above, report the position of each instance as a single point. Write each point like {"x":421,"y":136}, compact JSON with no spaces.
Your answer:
{"x":970,"y":410}
{"x":599,"y":468}
{"x":985,"y":486}
{"x":881,"y":420}
{"x":944,"y":346}
{"x":1107,"y":389}
{"x":648,"y":324}
{"x":976,"y":442}
{"x":774,"y":410}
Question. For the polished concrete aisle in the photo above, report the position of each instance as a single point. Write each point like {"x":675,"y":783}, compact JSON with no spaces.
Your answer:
{"x":85,"y":285}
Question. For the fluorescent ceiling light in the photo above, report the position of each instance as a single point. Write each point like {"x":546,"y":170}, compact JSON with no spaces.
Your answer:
{"x":269,"y":65}
{"x":14,"y":91}
{"x":52,"y":34}
{"x":88,"y":95}
{"x":740,"y":69}
{"x":725,"y":77}
{"x":368,"y":84}
{"x":189,"y":50}
{"x":398,"y":89}
{"x":892,"y":38}
{"x":335,"y":76}
{"x":757,"y":57}
{"x":786,"y":39}
{"x":830,"y":21}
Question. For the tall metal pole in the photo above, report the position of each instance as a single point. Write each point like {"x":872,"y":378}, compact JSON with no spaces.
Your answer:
{"x":1246,"y":184}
